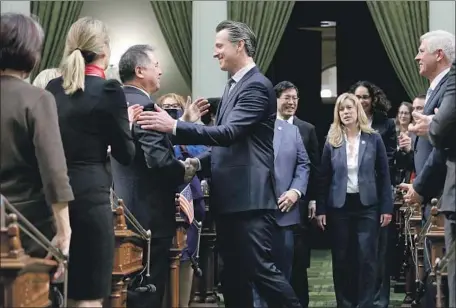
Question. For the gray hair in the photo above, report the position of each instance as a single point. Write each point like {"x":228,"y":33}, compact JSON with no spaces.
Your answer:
{"x":112,"y":72}
{"x":134,"y":57}
{"x":239,"y":31}
{"x":440,"y":39}
{"x":43,"y":78}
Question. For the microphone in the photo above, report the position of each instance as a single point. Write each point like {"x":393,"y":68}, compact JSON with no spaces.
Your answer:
{"x":149,"y":288}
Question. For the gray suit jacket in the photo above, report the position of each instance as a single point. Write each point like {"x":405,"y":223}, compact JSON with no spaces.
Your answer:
{"x":441,"y":132}
{"x":292,"y":167}
{"x":429,"y":161}
{"x":373,"y":175}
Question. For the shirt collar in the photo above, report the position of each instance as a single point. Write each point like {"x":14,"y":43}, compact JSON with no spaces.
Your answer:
{"x":290,"y":119}
{"x":127,"y":85}
{"x":241,"y":73}
{"x":439,"y":78}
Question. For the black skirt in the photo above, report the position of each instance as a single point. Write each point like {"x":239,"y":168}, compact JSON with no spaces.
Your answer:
{"x":91,"y":250}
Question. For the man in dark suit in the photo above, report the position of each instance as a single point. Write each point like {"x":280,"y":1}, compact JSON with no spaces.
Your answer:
{"x":291,"y":166}
{"x":434,"y":57}
{"x":149,"y":184}
{"x":441,"y":132}
{"x":287,"y":104}
{"x":242,"y":166}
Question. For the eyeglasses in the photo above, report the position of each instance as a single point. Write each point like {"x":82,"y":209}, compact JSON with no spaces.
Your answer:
{"x":289,"y":99}
{"x":404,"y":113}
{"x":363,"y":97}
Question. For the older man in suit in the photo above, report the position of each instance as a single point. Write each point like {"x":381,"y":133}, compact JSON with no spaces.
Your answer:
{"x":242,"y":166}
{"x":291,"y":165}
{"x":435,"y":55}
{"x":148,"y":186}
{"x":287,"y":103}
{"x":441,"y":132}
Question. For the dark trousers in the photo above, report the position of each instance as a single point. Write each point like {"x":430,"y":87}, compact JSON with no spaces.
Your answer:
{"x":245,"y":243}
{"x":354,"y":233}
{"x":450,"y":237}
{"x":301,"y":262}
{"x":383,"y":285}
{"x":159,"y":275}
{"x":282,"y":253}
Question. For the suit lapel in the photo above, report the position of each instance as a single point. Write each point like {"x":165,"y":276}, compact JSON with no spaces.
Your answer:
{"x":362,"y":148}
{"x":228,"y":97}
{"x":277,"y":138}
{"x":429,"y":108}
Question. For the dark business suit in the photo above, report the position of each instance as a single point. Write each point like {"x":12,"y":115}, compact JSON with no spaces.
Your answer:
{"x":301,"y":260}
{"x":353,"y":218}
{"x":429,"y":161}
{"x":441,"y":132}
{"x":387,"y":130}
{"x":148,"y":187}
{"x":242,"y":189}
{"x":291,"y":166}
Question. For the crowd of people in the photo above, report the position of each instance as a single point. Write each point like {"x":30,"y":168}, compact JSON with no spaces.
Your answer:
{"x":74,"y":134}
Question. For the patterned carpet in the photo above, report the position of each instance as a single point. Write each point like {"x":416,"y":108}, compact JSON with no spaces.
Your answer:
{"x":321,"y":284}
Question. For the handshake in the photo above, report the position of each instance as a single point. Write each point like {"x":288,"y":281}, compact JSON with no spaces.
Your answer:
{"x":191,"y":167}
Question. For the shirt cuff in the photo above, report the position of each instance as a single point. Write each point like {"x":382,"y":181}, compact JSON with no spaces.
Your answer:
{"x":312,"y":202}
{"x":175,"y":127}
{"x":199,"y":164}
{"x":297,"y":191}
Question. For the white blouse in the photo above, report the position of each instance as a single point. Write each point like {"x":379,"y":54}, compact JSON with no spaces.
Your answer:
{"x":352,"y":150}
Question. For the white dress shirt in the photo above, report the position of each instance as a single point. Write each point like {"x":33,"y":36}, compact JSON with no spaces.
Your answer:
{"x":352,"y":150}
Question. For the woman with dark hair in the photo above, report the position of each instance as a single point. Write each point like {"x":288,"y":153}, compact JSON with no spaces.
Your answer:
{"x":33,"y":172}
{"x":376,"y":106}
{"x":92,"y":115}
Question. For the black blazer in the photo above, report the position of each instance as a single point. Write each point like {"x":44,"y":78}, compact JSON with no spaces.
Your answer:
{"x":387,"y":130}
{"x":309,"y":138}
{"x":429,"y":161}
{"x":90,"y":121}
{"x":148,"y":185}
{"x":442,"y":131}
{"x":242,"y":156}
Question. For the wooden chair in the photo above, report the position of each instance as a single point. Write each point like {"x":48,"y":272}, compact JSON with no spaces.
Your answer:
{"x":24,"y":281}
{"x":128,"y":257}
{"x":440,"y":270}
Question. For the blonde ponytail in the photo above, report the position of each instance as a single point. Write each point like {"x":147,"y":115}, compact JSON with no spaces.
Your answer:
{"x":73,"y":72}
{"x":86,"y":34}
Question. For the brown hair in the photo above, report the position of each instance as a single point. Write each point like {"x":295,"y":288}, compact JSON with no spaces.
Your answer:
{"x":22,"y":41}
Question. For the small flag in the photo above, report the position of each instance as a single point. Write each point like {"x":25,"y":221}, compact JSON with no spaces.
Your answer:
{"x":186,"y":203}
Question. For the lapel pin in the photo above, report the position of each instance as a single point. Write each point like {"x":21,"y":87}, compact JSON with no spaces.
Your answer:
{"x":363,"y":142}
{"x":280,"y":127}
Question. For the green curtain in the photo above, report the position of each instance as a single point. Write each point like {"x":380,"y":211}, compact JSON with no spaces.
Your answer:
{"x":175,"y":21}
{"x":400,"y":25}
{"x":56,"y":18}
{"x":268,"y":20}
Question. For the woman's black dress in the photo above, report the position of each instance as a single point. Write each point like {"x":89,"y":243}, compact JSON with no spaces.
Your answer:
{"x":90,"y":120}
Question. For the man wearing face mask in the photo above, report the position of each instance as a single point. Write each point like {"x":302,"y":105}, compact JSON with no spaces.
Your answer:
{"x":149,"y":184}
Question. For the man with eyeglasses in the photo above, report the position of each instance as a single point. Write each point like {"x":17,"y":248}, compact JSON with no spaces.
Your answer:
{"x":287,"y":104}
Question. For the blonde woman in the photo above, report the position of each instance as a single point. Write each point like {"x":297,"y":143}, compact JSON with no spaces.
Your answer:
{"x":355,"y":200}
{"x":93,"y":115}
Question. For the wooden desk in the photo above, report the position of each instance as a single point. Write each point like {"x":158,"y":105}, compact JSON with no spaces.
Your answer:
{"x":24,"y":281}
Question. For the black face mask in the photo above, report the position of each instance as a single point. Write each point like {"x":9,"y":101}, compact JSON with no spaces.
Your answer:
{"x":174,"y":113}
